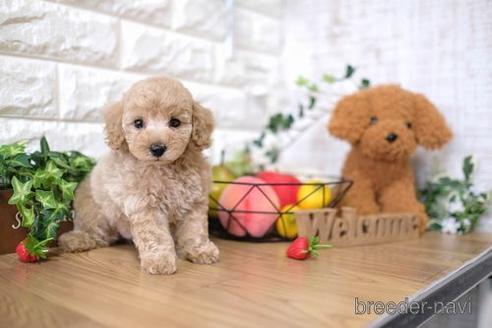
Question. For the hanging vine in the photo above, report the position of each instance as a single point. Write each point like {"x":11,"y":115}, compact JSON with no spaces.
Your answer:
{"x":279,"y":124}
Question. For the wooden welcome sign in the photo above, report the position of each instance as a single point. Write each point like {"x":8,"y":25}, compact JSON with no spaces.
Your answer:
{"x":351,"y":230}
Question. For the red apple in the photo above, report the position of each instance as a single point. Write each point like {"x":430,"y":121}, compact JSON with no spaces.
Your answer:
{"x":242,"y":223}
{"x":287,"y":194}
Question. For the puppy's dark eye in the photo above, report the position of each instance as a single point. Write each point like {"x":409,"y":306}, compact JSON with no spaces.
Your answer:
{"x":409,"y":125}
{"x":374,"y":120}
{"x":174,"y":122}
{"x":138,"y":123}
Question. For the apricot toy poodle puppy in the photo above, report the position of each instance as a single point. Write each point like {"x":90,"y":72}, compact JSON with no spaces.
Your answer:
{"x":153,"y":186}
{"x":384,"y":125}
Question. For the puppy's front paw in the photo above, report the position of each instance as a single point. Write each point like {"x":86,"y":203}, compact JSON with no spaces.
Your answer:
{"x":76,"y":241}
{"x":158,"y":263}
{"x":207,"y":253}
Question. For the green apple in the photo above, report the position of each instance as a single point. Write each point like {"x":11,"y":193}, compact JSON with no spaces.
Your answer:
{"x":219,"y":173}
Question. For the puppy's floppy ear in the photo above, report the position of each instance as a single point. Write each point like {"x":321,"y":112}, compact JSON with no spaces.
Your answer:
{"x":203,"y":125}
{"x":113,"y":116}
{"x":350,"y":117}
{"x":429,"y":125}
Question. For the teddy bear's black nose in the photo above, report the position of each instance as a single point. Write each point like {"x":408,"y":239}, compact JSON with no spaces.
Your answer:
{"x":157,"y":149}
{"x":391,"y":137}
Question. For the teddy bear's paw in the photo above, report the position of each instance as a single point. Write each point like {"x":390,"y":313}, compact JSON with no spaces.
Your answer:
{"x":158,"y":263}
{"x":367,"y":209}
{"x":207,"y":253}
{"x":424,"y":220}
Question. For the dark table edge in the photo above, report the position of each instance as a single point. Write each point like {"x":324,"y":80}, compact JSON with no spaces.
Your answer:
{"x":447,"y":289}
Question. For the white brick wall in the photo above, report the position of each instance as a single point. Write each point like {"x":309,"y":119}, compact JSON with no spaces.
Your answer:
{"x":48,"y":30}
{"x":61,"y":61}
{"x":440,"y":48}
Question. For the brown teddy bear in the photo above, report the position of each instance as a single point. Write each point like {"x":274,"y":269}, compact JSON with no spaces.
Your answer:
{"x":385,"y":124}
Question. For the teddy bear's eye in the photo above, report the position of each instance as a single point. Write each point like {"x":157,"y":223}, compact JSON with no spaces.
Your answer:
{"x":374,"y":120}
{"x":174,"y":122}
{"x":409,"y":125}
{"x":138,"y":123}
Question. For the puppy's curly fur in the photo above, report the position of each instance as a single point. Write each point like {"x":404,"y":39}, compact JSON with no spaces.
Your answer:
{"x":385,"y":124}
{"x":158,"y":200}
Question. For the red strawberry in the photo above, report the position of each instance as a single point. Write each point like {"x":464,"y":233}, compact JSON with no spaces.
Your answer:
{"x":32,"y":250}
{"x":24,"y":255}
{"x":301,"y":248}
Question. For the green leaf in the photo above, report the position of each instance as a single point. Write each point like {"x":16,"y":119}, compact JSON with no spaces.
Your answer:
{"x":67,"y":189}
{"x":46,"y":198}
{"x":40,"y":179}
{"x":302,"y":81}
{"x":11,"y":150}
{"x":48,"y":223}
{"x":56,"y":154}
{"x":45,"y":148}
{"x":364,"y":84}
{"x":22,"y":191}
{"x":313,"y":88}
{"x":329,"y":78}
{"x":241,"y":163}
{"x":52,"y":229}
{"x":468,"y":167}
{"x":434,"y":225}
{"x":37,"y":247}
{"x":54,"y":215}
{"x":273,"y":155}
{"x":4,"y":181}
{"x":59,"y":160}
{"x":275,"y":122}
{"x":21,"y":160}
{"x":259,"y":142}
{"x":38,"y":158}
{"x":349,"y":71}
{"x":28,"y":216}
{"x":81,"y":161}
{"x":288,"y":121}
{"x":23,"y":173}
{"x":312,"y":102}
{"x":52,"y":171}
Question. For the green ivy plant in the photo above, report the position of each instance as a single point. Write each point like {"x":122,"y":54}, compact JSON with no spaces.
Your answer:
{"x":43,"y":184}
{"x":314,"y":88}
{"x":281,"y":122}
{"x":453,"y":204}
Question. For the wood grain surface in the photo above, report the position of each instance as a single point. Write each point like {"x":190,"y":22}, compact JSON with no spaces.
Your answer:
{"x":254,"y":285}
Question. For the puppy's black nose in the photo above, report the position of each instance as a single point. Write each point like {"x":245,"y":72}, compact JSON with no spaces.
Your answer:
{"x":391,"y":137}
{"x":157,"y":150}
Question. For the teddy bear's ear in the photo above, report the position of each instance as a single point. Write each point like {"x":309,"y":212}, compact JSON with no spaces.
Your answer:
{"x":203,"y":125}
{"x":113,"y":116}
{"x":350,"y":117}
{"x":429,"y":125}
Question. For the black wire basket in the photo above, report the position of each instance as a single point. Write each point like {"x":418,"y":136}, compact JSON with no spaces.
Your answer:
{"x":233,"y":221}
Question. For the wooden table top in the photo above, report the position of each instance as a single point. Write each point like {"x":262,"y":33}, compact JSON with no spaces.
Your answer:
{"x":254,"y":285}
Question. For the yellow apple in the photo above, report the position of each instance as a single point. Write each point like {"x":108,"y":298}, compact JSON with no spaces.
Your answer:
{"x":312,"y":194}
{"x":286,"y":223}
